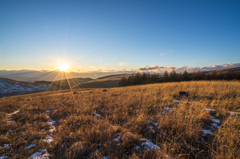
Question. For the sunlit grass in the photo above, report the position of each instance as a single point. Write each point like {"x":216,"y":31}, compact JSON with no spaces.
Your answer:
{"x":128,"y":111}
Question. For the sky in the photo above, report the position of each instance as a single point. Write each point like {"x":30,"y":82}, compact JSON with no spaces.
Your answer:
{"x":116,"y":35}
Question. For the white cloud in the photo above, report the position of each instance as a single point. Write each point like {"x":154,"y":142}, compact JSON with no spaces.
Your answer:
{"x":123,"y":63}
{"x":101,"y":60}
{"x":158,"y":69}
{"x":161,"y":54}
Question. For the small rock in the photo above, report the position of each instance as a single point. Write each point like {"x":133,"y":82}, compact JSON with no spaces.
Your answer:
{"x":183,"y":93}
{"x":104,"y":90}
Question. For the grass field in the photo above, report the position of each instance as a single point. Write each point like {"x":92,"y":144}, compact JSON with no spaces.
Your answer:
{"x":147,"y":121}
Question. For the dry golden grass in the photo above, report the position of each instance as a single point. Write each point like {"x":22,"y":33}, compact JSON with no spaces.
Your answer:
{"x":88,"y":122}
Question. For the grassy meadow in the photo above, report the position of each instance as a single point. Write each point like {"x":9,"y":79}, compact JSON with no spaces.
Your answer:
{"x":147,"y":121}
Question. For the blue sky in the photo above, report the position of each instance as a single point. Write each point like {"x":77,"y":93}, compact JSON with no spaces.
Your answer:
{"x":114,"y":35}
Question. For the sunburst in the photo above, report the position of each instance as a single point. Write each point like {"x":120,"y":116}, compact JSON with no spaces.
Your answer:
{"x":63,"y":67}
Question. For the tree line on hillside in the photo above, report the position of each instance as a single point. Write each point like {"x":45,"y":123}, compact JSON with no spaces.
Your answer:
{"x":146,"y":78}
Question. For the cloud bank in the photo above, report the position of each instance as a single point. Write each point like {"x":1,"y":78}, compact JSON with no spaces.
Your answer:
{"x":123,"y":63}
{"x":161,"y":69}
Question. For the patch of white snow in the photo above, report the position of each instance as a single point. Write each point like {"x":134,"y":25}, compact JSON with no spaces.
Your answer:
{"x":167,"y":108}
{"x":176,"y":101}
{"x":210,"y":109}
{"x":234,"y":113}
{"x":37,"y":155}
{"x":48,"y":139}
{"x":3,"y":156}
{"x":117,"y":138}
{"x":30,"y":146}
{"x":148,"y":145}
{"x":137,"y":147}
{"x":206,"y":132}
{"x":151,"y":127}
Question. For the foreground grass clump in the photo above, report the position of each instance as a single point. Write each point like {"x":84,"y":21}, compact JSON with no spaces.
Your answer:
{"x":148,"y":121}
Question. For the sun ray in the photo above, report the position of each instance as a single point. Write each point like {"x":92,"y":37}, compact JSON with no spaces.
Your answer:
{"x":53,"y":80}
{"x":75,"y":81}
{"x":47,"y":75}
{"x":61,"y":80}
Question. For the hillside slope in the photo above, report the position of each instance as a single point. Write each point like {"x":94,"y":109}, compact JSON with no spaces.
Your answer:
{"x":73,"y":82}
{"x":10,"y":87}
{"x":147,"y":121}
{"x":103,"y":82}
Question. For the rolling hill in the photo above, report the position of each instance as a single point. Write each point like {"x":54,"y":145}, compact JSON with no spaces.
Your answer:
{"x":102,"y":82}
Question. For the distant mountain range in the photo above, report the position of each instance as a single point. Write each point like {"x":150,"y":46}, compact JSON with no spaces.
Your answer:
{"x":31,"y":75}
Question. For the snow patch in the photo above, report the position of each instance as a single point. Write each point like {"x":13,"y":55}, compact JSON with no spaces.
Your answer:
{"x":149,"y":145}
{"x":137,"y":147}
{"x":3,"y":156}
{"x":176,"y":101}
{"x":48,"y":139}
{"x":97,"y":115}
{"x":30,"y":146}
{"x":215,"y":122}
{"x":151,"y":127}
{"x":167,"y":108}
{"x":5,"y":146}
{"x":37,"y":155}
{"x":205,"y":132}
{"x":51,"y":122}
{"x":234,"y":113}
{"x":117,"y":139}
{"x":210,"y":109}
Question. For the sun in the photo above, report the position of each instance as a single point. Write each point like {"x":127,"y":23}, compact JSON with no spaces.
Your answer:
{"x":63,"y":67}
